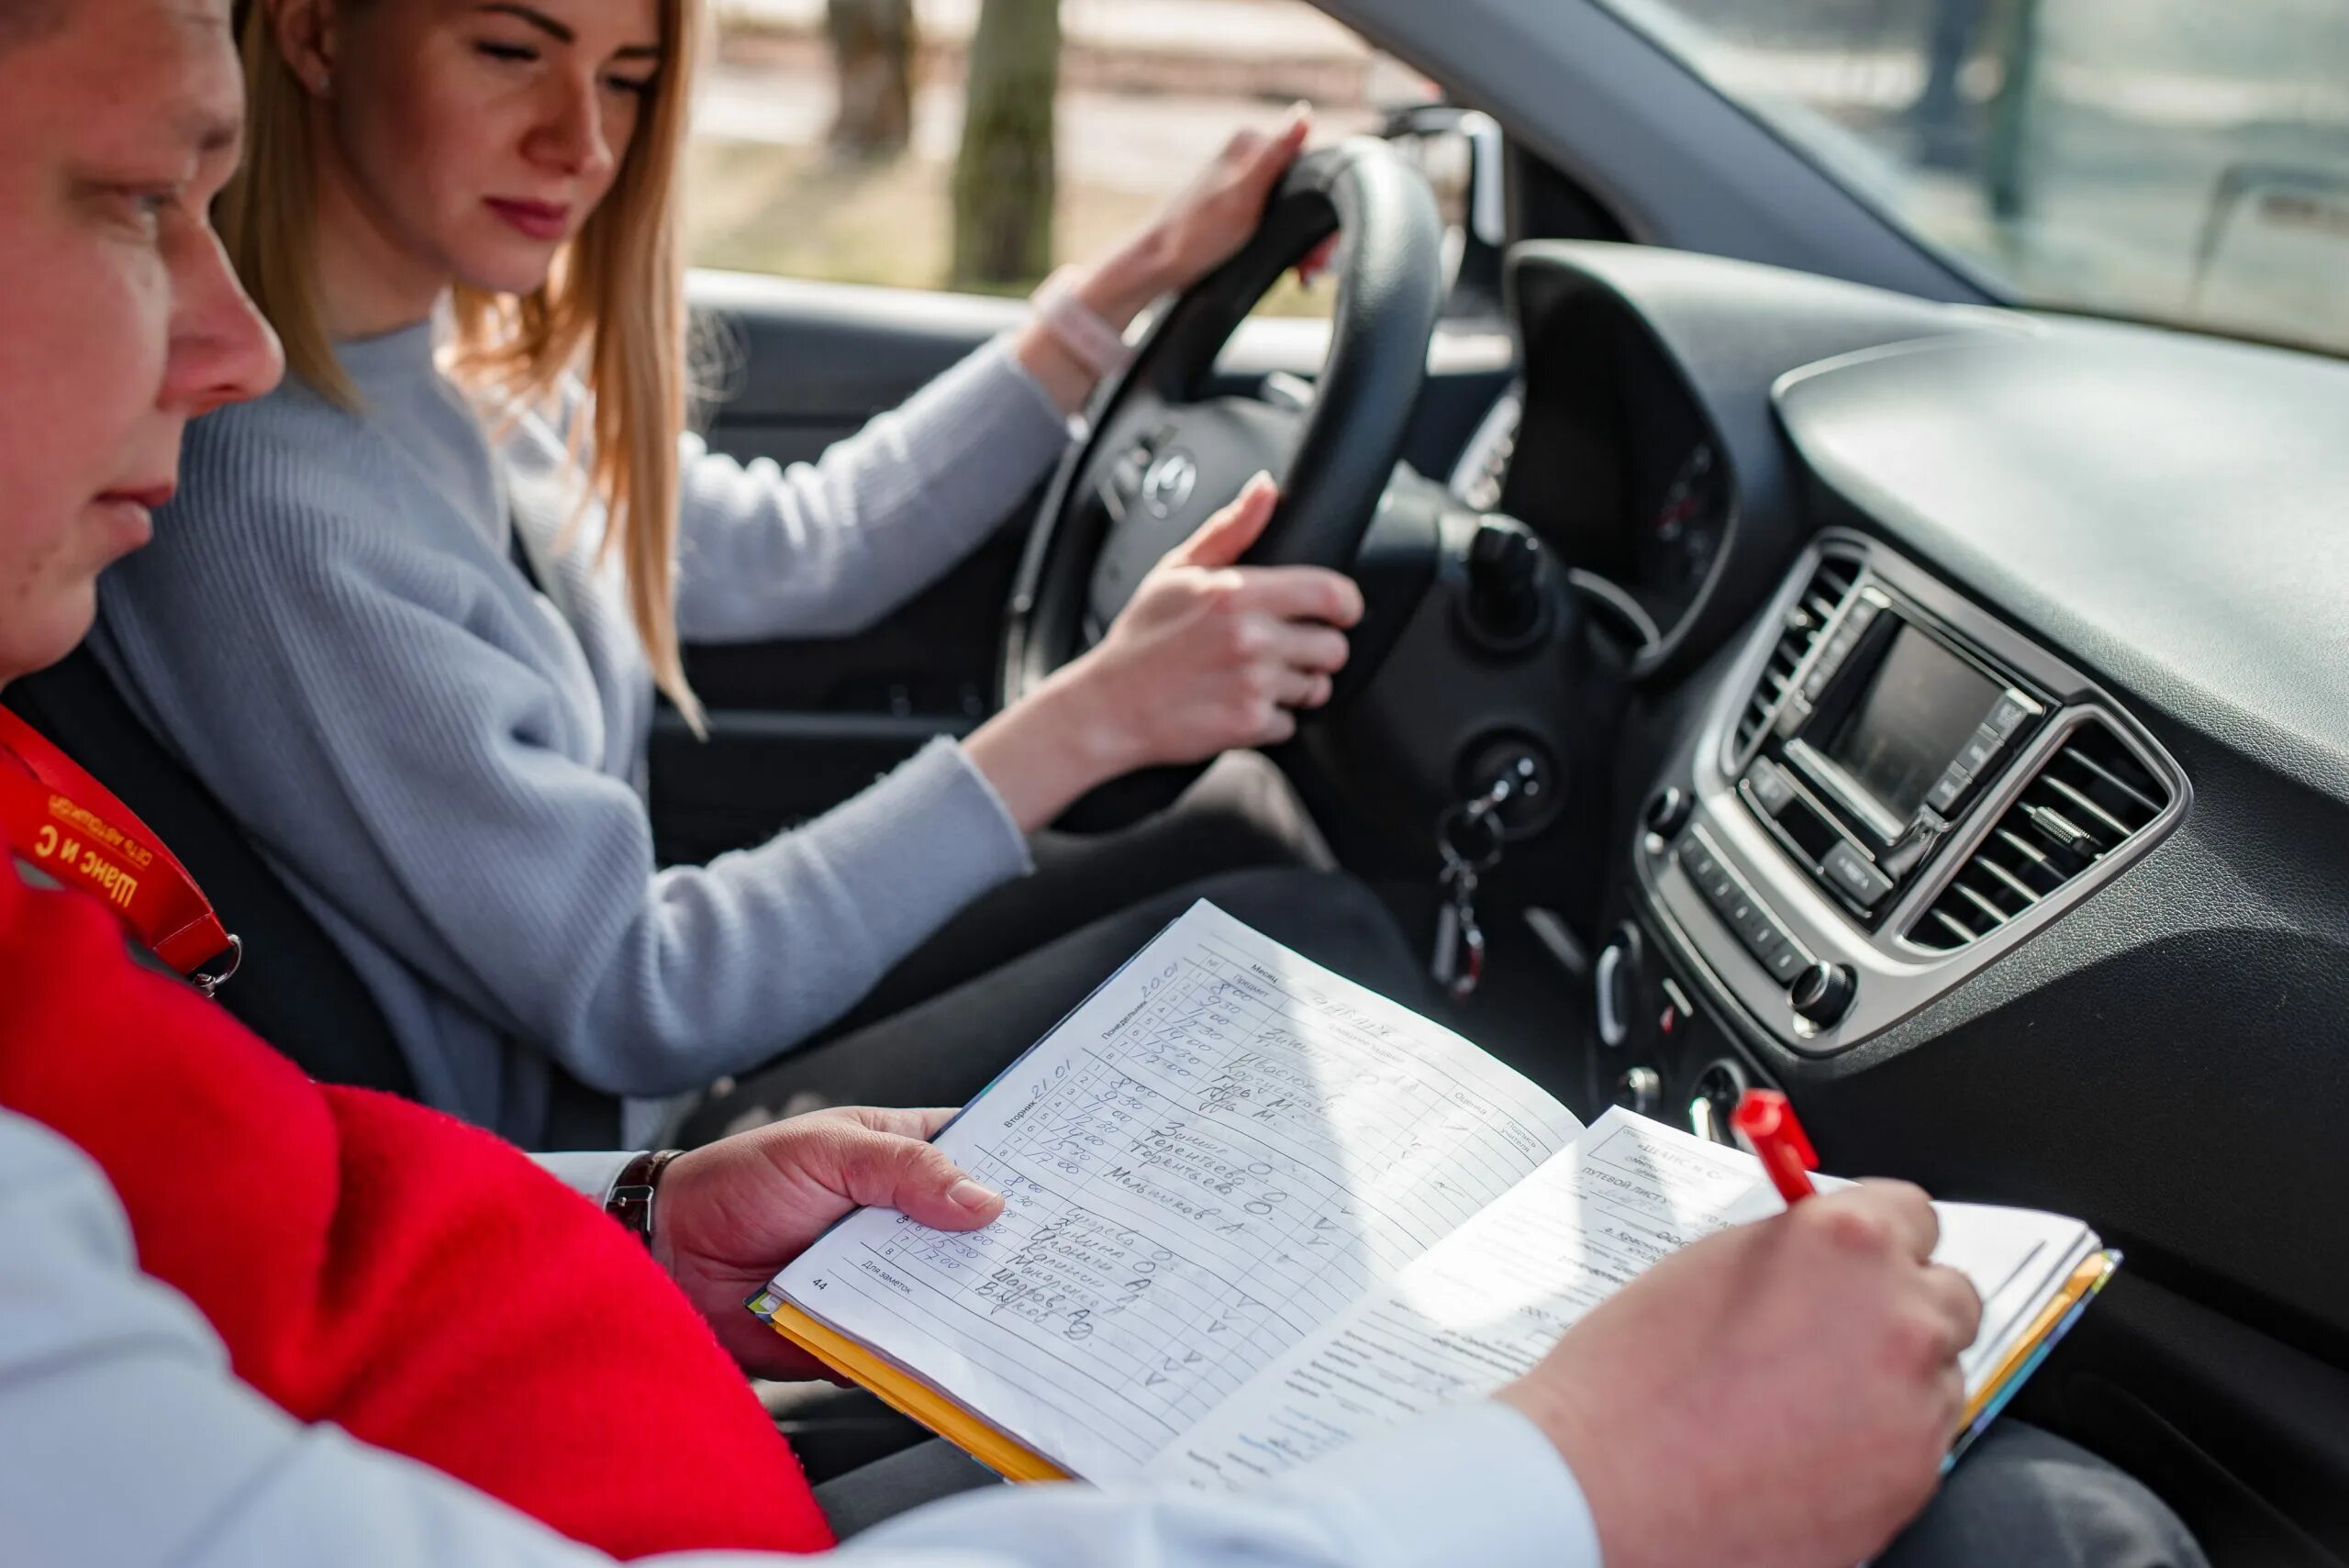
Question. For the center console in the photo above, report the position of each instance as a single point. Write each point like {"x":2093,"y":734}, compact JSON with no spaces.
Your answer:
{"x":1892,"y":789}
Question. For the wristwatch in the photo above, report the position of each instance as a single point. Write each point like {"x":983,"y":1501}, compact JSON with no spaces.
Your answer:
{"x":630,"y":1201}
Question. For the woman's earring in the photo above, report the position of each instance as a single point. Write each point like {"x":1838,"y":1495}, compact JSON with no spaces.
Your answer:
{"x":322,"y":84}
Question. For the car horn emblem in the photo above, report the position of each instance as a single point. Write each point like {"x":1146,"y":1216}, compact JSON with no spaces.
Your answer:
{"x":1170,"y":483}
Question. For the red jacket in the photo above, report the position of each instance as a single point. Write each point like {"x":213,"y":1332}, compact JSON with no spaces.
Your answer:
{"x":384,"y":1267}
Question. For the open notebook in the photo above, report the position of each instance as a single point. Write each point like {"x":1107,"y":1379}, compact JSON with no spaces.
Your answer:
{"x":1254,"y":1211}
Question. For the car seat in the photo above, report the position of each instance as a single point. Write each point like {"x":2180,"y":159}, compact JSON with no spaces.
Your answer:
{"x":295,"y":987}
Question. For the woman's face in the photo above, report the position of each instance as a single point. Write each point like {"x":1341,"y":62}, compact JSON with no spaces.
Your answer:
{"x":480,"y":136}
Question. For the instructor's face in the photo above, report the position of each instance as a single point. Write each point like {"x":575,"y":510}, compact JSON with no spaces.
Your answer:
{"x":120,"y":318}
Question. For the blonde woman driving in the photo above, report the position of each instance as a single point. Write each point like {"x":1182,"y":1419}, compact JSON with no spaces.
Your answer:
{"x":408,"y":614}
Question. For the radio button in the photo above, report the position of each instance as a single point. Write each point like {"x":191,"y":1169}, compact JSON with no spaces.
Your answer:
{"x":1771,"y":788}
{"x":2008,"y":717}
{"x":1713,"y":880}
{"x":1855,"y":877}
{"x":1784,"y":962}
{"x":1944,"y":795}
{"x":1740,"y":913}
{"x":1761,"y":936}
{"x":1980,"y":750}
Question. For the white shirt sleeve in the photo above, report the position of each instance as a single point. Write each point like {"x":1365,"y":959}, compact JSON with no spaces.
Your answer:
{"x":126,"y":1440}
{"x":590,"y":1175}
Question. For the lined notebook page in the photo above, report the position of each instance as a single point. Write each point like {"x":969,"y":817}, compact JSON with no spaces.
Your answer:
{"x":1481,"y":1309}
{"x":1219,"y":1152}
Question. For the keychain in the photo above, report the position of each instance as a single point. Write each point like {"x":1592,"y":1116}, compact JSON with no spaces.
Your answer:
{"x":1458,"y":965}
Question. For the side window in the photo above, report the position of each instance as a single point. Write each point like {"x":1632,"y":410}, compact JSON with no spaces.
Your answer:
{"x":2174,"y":159}
{"x":977,"y":144}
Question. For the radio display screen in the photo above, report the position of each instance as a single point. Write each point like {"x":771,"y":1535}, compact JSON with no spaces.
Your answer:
{"x":1922,"y":706}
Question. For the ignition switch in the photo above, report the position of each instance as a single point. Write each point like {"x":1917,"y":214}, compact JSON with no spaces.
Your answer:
{"x":1535,"y":793}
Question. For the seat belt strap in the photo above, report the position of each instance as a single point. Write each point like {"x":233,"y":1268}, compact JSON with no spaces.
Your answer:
{"x":69,"y":826}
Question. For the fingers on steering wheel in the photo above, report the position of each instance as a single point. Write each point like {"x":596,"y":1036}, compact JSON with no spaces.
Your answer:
{"x":1289,"y":141}
{"x":1226,"y":537}
{"x":1301,"y":593}
{"x":1294,"y":688}
{"x":1316,"y":649}
{"x":1280,"y":725}
{"x":1267,"y":155}
{"x":1317,"y":262}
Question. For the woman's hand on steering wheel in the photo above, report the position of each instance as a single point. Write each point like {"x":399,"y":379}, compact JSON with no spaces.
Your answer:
{"x":1202,"y":227}
{"x":1208,"y":657}
{"x":1208,"y":222}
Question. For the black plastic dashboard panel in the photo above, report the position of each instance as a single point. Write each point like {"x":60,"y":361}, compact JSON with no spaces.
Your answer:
{"x":2169,"y":516}
{"x":2172,"y":509}
{"x":1895,"y":977}
{"x":1602,"y":321}
{"x":2166,"y":510}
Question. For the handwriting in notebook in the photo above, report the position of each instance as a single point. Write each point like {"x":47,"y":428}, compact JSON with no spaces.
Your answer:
{"x":1213,"y":1157}
{"x":1484,"y":1306}
{"x":1481,"y":1308}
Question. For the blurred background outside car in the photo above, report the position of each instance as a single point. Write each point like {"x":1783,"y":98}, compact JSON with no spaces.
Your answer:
{"x":830,"y":137}
{"x":2183,"y":160}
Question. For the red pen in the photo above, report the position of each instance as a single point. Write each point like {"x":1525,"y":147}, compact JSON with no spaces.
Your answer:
{"x":1767,"y":1122}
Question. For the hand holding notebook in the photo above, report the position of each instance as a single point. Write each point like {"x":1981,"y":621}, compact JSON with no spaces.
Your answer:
{"x":1254,"y":1212}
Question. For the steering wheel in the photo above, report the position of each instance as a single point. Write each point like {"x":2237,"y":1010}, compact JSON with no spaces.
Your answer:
{"x":1163,"y":456}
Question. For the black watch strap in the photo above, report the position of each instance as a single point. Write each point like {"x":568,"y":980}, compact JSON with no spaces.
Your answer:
{"x":631,"y":1202}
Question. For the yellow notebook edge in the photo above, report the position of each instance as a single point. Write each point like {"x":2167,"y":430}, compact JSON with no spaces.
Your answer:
{"x":1005,"y":1455}
{"x":1015,"y":1461}
{"x":2085,"y":1281}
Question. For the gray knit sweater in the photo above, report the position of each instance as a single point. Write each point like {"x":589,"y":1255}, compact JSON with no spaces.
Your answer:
{"x":448,"y":767}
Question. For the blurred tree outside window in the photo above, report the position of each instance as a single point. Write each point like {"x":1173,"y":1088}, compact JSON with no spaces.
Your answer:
{"x":1004,"y":173}
{"x":977,"y":144}
{"x":2177,"y":161}
{"x":873,"y":59}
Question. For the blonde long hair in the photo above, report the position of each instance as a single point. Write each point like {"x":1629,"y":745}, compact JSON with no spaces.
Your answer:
{"x":612,"y":310}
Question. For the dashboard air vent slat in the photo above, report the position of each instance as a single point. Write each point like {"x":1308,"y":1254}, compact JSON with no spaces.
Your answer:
{"x":2091,"y":797}
{"x":1828,"y":586}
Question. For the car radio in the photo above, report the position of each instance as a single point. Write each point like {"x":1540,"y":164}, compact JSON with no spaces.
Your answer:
{"x":1887,"y":732}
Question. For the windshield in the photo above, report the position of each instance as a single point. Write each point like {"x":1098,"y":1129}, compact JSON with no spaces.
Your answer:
{"x":2175,"y":160}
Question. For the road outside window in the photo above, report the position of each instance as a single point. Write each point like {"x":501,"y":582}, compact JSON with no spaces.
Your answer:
{"x":2183,"y":160}
{"x":974,"y":144}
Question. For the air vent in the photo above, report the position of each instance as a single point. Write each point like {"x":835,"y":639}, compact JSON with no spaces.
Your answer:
{"x":2092,"y":796}
{"x":1821,"y":598}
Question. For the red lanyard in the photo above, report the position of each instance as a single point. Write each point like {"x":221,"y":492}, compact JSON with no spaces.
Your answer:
{"x":71,"y":827}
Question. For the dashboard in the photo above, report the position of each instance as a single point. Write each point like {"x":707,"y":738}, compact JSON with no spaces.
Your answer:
{"x":1893,"y":789}
{"x":1985,"y":769}
{"x":1622,"y":478}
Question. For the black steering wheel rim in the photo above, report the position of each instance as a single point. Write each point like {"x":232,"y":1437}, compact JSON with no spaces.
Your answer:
{"x":1389,"y":294}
